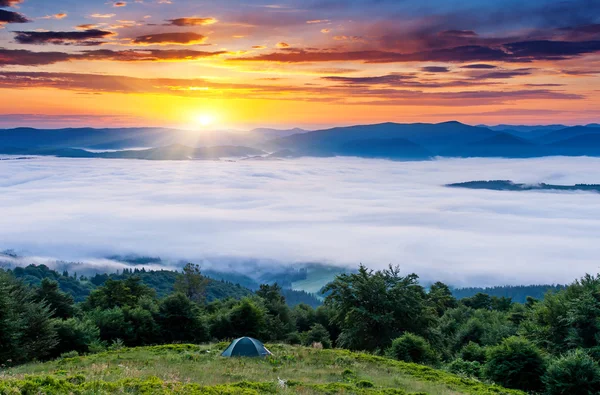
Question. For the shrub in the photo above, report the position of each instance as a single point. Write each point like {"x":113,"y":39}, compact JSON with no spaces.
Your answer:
{"x":75,"y":335}
{"x":70,"y":354}
{"x":473,"y":352}
{"x":515,"y":363}
{"x":294,"y":338}
{"x":412,"y":348}
{"x":575,"y":373}
{"x":465,"y":368}
{"x":317,"y":334}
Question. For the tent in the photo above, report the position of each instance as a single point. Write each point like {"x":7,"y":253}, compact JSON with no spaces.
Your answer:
{"x":246,"y":347}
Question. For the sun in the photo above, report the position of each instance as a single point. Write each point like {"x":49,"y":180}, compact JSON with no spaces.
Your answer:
{"x":205,"y":120}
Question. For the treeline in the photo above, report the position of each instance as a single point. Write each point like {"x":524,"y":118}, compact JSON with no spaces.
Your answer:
{"x":549,"y":346}
{"x":518,"y":293}
{"x":162,"y":281}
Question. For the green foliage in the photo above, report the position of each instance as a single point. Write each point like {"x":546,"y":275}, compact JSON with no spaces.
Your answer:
{"x":473,"y":352}
{"x":575,"y":373}
{"x":59,"y":302}
{"x":372,"y":308}
{"x":412,"y":348}
{"x":317,"y":334}
{"x":279,"y":320}
{"x":246,"y":319}
{"x":118,"y":293}
{"x":441,"y":298}
{"x":192,"y":283}
{"x":478,"y":301}
{"x":180,"y":320}
{"x":75,"y":334}
{"x":466,"y":368}
{"x":26,"y":327}
{"x":516,"y":363}
{"x":568,"y":319}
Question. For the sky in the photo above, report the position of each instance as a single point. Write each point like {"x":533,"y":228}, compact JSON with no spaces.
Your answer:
{"x":338,"y":211}
{"x":307,"y":63}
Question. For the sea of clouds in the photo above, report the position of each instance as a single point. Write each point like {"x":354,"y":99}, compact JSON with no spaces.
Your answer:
{"x":340,"y":211}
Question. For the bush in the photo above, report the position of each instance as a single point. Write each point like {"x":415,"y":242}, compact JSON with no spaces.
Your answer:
{"x":412,"y":348}
{"x":294,"y":338}
{"x":466,"y":368}
{"x":473,"y":352}
{"x":75,"y":335}
{"x":575,"y":373}
{"x":316,"y":334}
{"x":516,"y":363}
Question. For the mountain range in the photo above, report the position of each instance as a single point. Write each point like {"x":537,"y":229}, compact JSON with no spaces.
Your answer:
{"x":415,"y":141}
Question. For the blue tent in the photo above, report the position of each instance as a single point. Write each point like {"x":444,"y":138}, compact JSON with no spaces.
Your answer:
{"x":246,"y":347}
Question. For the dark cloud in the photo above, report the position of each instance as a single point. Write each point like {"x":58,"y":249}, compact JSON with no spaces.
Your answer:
{"x":551,"y":50}
{"x":192,"y":21}
{"x":406,"y":80}
{"x":457,"y":33}
{"x":184,"y":38}
{"x":479,"y":66}
{"x":435,"y":69}
{"x":147,"y":55}
{"x":457,"y":54}
{"x":10,"y":57}
{"x":12,"y":17}
{"x":504,"y":74}
{"x":9,"y":3}
{"x":86,"y":37}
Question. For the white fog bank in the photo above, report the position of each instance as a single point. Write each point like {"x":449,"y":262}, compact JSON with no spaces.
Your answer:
{"x":339,"y":211}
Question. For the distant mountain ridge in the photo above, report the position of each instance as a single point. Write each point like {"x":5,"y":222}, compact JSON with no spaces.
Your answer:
{"x":397,"y":141}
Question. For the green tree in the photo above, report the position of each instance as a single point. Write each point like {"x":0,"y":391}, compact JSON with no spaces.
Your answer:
{"x":118,"y":293}
{"x":180,"y":320}
{"x":59,"y":302}
{"x":372,"y":308}
{"x":192,"y":283}
{"x":26,"y":327}
{"x":412,"y":348}
{"x":75,"y":334}
{"x":316,"y":334}
{"x":440,"y":297}
{"x":575,"y":373}
{"x":279,"y":322}
{"x":247,"y":319}
{"x":478,"y":301}
{"x":304,"y":316}
{"x":516,"y":363}
{"x":473,"y":352}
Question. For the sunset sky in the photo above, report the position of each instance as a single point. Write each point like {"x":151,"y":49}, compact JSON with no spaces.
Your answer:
{"x":288,"y":63}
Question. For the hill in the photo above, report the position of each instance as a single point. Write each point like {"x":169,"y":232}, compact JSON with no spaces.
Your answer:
{"x":193,"y":369}
{"x":567,"y":133}
{"x":127,"y":138}
{"x":499,"y":145}
{"x":583,"y":144}
{"x":432,"y":137}
{"x":171,"y":152}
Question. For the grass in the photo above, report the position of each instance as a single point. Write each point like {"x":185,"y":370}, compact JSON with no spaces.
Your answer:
{"x":193,"y":369}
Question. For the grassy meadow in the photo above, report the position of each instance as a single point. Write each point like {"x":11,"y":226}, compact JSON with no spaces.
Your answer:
{"x":198,"y":369}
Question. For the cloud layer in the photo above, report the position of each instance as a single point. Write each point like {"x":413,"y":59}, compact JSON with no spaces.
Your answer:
{"x":337,"y":211}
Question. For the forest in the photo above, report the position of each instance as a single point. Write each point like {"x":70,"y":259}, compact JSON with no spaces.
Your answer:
{"x":549,"y":345}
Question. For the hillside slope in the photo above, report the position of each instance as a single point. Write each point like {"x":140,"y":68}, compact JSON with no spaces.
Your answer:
{"x":191,"y":369}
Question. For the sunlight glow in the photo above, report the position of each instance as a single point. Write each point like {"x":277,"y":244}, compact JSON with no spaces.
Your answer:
{"x":205,"y":120}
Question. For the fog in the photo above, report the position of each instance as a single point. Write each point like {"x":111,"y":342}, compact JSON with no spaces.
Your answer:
{"x":339,"y":211}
